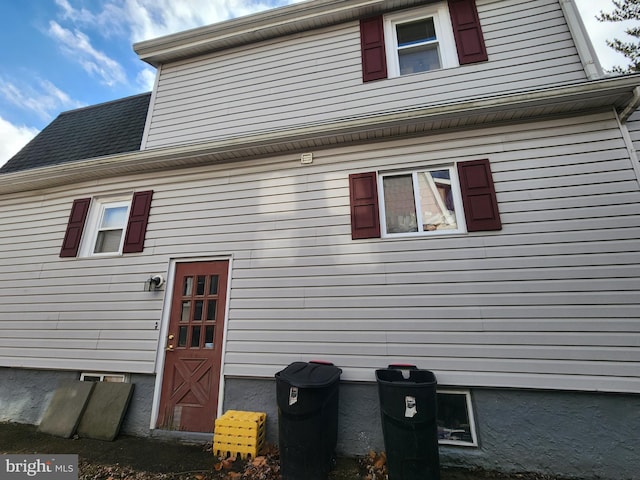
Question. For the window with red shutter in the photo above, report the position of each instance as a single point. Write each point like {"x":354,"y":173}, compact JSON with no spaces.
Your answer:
{"x":363,"y":191}
{"x":75,"y":226}
{"x":107,"y":226}
{"x":479,"y":196}
{"x":138,"y":219}
{"x":439,"y":35}
{"x":374,"y":57}
{"x":430,"y":201}
{"x":467,"y":31}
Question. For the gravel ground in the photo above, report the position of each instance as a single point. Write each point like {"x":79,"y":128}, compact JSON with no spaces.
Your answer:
{"x":135,"y":458}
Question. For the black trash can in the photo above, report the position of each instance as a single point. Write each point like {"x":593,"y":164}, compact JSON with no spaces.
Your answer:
{"x":307,"y":395}
{"x":408,"y":406}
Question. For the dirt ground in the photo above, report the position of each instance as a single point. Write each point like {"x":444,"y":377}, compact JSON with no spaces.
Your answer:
{"x":135,"y":458}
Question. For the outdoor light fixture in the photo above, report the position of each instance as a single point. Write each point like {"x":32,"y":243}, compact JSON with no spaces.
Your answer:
{"x":154,"y":283}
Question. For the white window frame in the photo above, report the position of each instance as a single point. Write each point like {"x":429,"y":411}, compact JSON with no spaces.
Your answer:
{"x":456,"y":194}
{"x":124,"y":377}
{"x":472,"y":420}
{"x":96,"y":212}
{"x":444,"y":36}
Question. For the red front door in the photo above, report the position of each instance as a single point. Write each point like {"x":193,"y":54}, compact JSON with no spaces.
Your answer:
{"x":189,"y":398}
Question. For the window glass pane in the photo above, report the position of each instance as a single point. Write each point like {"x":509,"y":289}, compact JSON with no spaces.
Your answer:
{"x":419,"y":59}
{"x":113,"y":378}
{"x":436,"y":201}
{"x":188,"y":287}
{"x":200,"y":284}
{"x":195,"y":337}
{"x":211,"y":310}
{"x":197,"y":311}
{"x":399,"y":203}
{"x":108,"y":241}
{"x":453,"y":417}
{"x":186,"y":311}
{"x":182,"y":337}
{"x":208,"y":336}
{"x":114,"y":217}
{"x":213,"y":286}
{"x":416,"y":32}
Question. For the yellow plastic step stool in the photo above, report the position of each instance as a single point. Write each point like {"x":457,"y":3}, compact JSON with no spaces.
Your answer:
{"x":239,"y":433}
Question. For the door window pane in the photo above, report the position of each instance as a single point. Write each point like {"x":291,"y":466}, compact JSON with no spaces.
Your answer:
{"x":188,"y":286}
{"x":195,"y":337}
{"x":200,"y":284}
{"x":208,"y":336}
{"x":211,"y":310}
{"x":186,"y":311}
{"x":182,"y":336}
{"x":197,"y":311}
{"x":213,"y":285}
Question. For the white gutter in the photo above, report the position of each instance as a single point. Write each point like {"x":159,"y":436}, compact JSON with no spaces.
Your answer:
{"x":619,"y":92}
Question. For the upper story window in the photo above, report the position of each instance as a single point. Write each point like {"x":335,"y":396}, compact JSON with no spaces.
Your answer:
{"x":419,"y":41}
{"x":441,"y":35}
{"x":423,"y":201}
{"x":107,"y":226}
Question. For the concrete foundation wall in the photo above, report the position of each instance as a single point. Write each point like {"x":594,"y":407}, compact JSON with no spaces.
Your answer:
{"x":573,"y":434}
{"x":25,"y":395}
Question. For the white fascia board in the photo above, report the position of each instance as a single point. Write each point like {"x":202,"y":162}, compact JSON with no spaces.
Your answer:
{"x":583,"y":43}
{"x":271,"y":23}
{"x":619,"y":92}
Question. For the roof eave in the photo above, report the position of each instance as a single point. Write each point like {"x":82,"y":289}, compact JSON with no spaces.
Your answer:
{"x":620,"y":93}
{"x":261,"y":26}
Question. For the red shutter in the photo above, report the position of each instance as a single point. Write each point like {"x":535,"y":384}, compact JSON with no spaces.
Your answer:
{"x":365,"y":220}
{"x":479,"y":196}
{"x":467,"y":31}
{"x":374,"y":57}
{"x":138,"y":219}
{"x":75,"y":225}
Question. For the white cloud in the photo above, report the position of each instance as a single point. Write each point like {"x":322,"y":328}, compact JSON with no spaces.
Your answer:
{"x":13,"y":138}
{"x":146,"y":19}
{"x":43,"y":99}
{"x":146,"y":79}
{"x":78,"y":46}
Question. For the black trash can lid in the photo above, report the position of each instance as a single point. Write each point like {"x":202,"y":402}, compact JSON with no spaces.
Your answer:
{"x":309,"y":375}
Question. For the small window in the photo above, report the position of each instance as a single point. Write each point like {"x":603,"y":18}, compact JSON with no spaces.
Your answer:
{"x":421,"y":202}
{"x":106,"y":226}
{"x":456,"y":423}
{"x":104,"y":377}
{"x":420,"y":41}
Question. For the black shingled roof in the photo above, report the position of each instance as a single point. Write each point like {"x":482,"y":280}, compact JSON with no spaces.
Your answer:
{"x":95,"y":131}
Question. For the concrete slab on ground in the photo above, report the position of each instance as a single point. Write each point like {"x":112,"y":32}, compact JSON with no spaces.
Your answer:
{"x":66,"y":408}
{"x":105,"y":411}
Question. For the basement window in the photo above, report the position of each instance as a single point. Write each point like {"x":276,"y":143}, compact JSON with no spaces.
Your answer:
{"x":456,"y":423}
{"x":104,"y":377}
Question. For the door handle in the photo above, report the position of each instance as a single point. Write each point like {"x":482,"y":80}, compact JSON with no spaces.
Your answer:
{"x":170,"y":345}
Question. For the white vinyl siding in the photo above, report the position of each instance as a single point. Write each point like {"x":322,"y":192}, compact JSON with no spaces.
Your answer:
{"x":550,"y":301}
{"x":316,"y":77}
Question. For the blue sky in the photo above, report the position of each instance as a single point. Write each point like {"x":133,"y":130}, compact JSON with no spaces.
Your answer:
{"x":58,"y":55}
